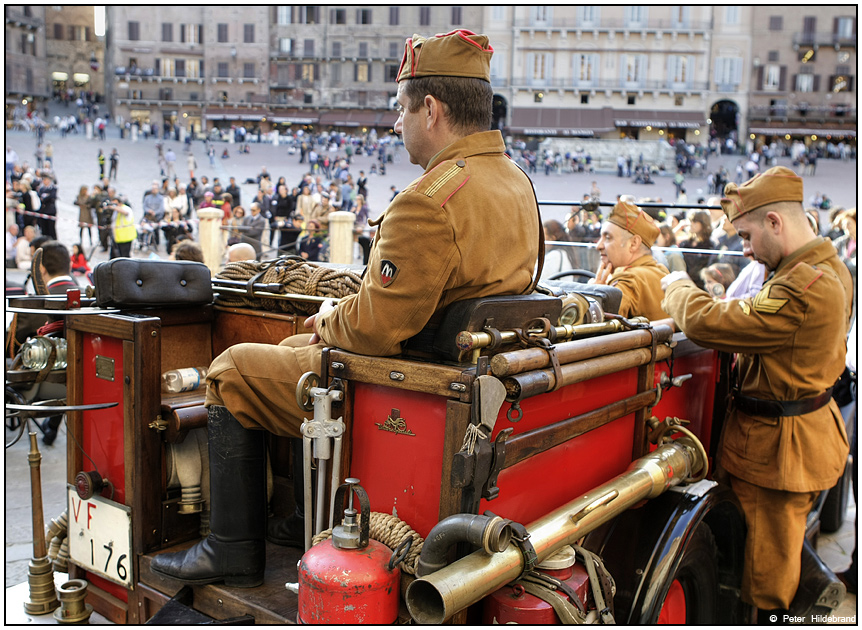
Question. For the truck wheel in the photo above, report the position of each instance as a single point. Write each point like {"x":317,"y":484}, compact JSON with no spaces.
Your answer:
{"x":693,"y":594}
{"x":835,"y":506}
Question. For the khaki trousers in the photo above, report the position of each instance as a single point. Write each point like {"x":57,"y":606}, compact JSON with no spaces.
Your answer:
{"x":773,"y":547}
{"x":257,"y":383}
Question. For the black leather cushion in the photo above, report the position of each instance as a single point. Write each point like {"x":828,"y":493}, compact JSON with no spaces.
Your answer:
{"x":128,"y":282}
{"x":608,"y":297}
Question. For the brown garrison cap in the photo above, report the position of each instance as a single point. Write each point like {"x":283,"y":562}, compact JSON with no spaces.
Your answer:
{"x":631,"y":218}
{"x":456,"y":54}
{"x":777,"y":184}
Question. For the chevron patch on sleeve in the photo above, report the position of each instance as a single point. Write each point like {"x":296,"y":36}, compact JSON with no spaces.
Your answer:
{"x":767,"y":305}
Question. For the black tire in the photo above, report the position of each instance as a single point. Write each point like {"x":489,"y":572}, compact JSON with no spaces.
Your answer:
{"x":584,"y":273}
{"x":698,"y":575}
{"x":835,"y":506}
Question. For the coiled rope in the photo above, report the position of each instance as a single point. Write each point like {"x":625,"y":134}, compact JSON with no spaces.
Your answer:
{"x":391,"y":531}
{"x":295,"y":275}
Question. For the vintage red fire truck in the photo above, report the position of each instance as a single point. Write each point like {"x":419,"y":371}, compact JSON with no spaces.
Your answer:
{"x":534,"y":459}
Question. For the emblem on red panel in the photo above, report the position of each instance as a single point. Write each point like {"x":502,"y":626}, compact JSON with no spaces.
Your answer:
{"x":395,"y":424}
{"x":388,"y":271}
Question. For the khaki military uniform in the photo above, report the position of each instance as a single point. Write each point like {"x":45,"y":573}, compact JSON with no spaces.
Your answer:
{"x":791,"y":340}
{"x":640,"y":283}
{"x":467,"y":228}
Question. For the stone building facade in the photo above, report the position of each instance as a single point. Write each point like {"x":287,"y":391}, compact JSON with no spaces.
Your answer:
{"x":26,"y":73}
{"x":76,"y":57}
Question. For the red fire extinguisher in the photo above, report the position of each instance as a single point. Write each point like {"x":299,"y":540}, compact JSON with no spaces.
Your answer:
{"x":350,"y":579}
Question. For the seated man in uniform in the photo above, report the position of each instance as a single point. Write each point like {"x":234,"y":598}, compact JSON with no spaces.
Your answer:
{"x":784,"y":439}
{"x":468,"y":227}
{"x":627,"y":262}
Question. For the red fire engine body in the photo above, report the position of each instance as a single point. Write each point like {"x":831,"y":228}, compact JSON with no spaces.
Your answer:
{"x":672,"y":554}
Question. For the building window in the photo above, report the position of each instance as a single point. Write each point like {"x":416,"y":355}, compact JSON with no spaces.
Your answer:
{"x":222,"y":34}
{"x":180,"y":67}
{"x":167,"y":32}
{"x":362,"y":72}
{"x":363,"y":49}
{"x":248,"y":70}
{"x":680,"y":16}
{"x":336,"y":49}
{"x":308,"y":48}
{"x":393,"y":16}
{"x":424,"y":16}
{"x":134,"y":31}
{"x":222,"y":69}
{"x":222,"y":96}
{"x":631,"y":99}
{"x":586,"y":68}
{"x":540,"y":16}
{"x":728,"y":73}
{"x":678,"y":100}
{"x":804,"y":82}
{"x":633,"y":69}
{"x":840,"y":83}
{"x":585,"y":99}
{"x":338,"y":16}
{"x":805,"y":55}
{"x":538,"y":97}
{"x":776,"y":22}
{"x":771,"y":77}
{"x":335,"y":72}
{"x":363,"y":16}
{"x":58,"y":31}
{"x":679,"y":70}
{"x":498,"y":13}
{"x":309,"y":72}
{"x":194,"y":68}
{"x":191,"y":33}
{"x":283,"y":15}
{"x":456,"y":16}
{"x":167,"y":67}
{"x":539,"y":67}
{"x":587,"y":16}
{"x":391,"y":73}
{"x":248,"y":33}
{"x":731,"y":15}
{"x":772,"y":55}
{"x":844,"y":28}
{"x":394,"y":50}
{"x":285,"y":45}
{"x":635,"y":16}
{"x":309,"y":15}
{"x":308,"y":99}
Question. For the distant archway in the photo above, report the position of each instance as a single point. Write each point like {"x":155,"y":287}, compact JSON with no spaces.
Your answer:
{"x":499,"y":109}
{"x":725,"y":120}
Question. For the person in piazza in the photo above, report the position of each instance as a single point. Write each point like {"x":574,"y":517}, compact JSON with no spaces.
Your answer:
{"x":476,"y":214}
{"x":784,"y":439}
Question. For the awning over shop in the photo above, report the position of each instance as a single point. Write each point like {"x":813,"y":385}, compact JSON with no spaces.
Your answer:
{"x":804,"y":131}
{"x":552,"y":121}
{"x":351,"y":118}
{"x":662,"y":119}
{"x":296,"y":116}
{"x":236,"y":114}
{"x":388,"y":119}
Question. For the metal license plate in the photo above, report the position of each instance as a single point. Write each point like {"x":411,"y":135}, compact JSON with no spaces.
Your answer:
{"x":100,"y":537}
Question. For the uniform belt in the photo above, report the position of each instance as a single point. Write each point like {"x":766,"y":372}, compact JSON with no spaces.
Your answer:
{"x":778,"y":408}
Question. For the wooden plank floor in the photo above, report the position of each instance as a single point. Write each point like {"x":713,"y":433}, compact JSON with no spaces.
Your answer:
{"x":270,"y":603}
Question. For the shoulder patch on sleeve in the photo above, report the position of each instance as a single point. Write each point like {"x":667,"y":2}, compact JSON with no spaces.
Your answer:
{"x":764,"y":303}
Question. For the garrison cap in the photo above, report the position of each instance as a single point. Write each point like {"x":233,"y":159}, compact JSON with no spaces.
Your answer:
{"x":460,"y":53}
{"x":777,"y":184}
{"x":632,"y":219}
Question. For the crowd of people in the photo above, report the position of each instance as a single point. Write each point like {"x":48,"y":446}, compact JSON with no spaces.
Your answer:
{"x":702,"y":242}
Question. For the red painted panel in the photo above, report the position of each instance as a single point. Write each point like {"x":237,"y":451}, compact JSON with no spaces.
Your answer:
{"x":103,"y":430}
{"x":403,"y":473}
{"x":694,"y":399}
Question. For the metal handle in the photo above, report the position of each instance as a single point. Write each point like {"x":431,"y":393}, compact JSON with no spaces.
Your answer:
{"x":400,"y":552}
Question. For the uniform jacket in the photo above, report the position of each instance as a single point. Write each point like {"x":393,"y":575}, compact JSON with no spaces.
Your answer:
{"x":466,"y":228}
{"x":640,"y":283}
{"x":791,"y":340}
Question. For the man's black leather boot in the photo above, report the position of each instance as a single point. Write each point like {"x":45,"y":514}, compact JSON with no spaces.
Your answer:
{"x":235,"y":550}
